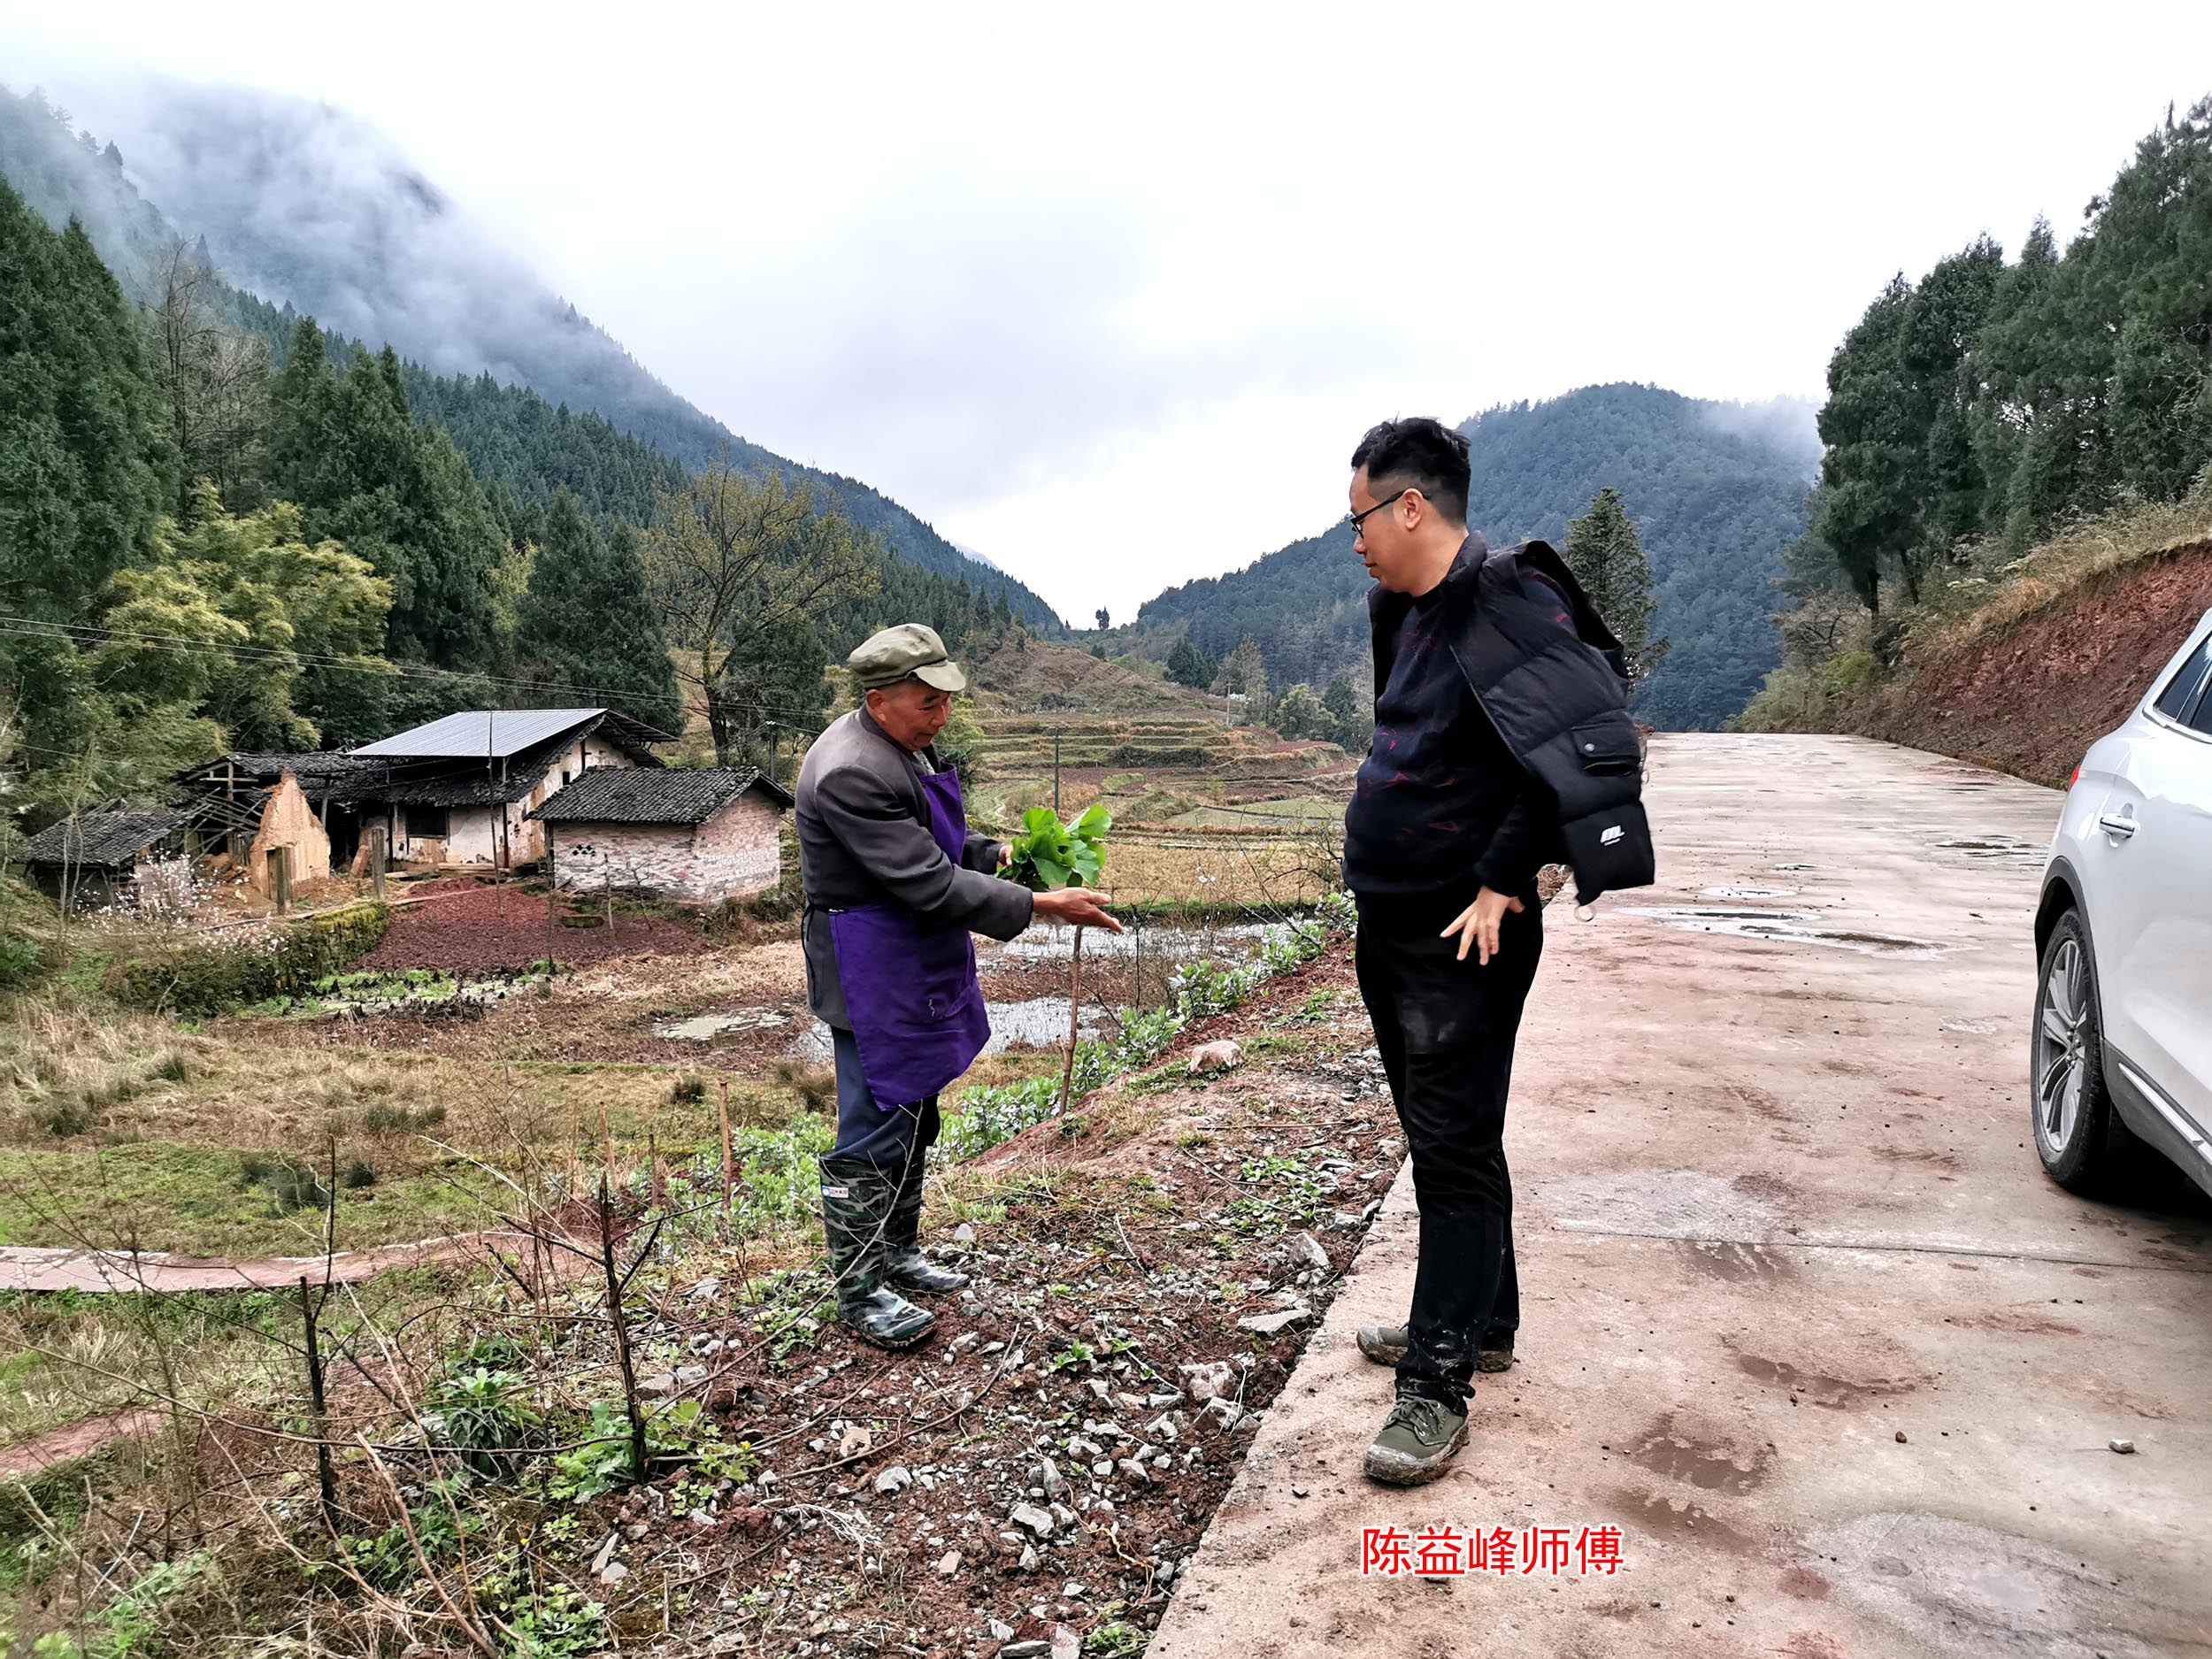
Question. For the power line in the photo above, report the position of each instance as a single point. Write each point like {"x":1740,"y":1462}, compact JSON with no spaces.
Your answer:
{"x":382,"y":668}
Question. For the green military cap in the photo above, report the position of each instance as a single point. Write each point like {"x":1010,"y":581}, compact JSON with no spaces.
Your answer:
{"x":909,"y":651}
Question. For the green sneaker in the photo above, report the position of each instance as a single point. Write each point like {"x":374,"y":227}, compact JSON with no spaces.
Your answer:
{"x":1386,"y":1345}
{"x":1418,"y":1442}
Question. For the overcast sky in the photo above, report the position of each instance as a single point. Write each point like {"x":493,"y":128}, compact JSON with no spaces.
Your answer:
{"x":1109,"y":297}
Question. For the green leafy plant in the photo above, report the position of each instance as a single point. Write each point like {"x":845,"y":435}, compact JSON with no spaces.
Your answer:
{"x":443,"y":1522}
{"x":21,"y":959}
{"x":555,"y":1623}
{"x":478,"y":1410}
{"x":600,"y":1463}
{"x":1050,"y":852}
{"x":1118,"y":1639}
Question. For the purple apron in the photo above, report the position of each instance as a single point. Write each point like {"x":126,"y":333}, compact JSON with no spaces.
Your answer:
{"x":910,"y":990}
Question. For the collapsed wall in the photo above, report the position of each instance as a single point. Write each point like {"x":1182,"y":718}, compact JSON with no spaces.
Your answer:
{"x":289,"y":822}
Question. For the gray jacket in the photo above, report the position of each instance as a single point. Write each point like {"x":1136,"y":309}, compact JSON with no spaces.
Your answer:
{"x":865,"y":839}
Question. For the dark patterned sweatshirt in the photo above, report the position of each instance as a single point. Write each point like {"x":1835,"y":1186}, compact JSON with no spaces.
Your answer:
{"x":1441,"y":806}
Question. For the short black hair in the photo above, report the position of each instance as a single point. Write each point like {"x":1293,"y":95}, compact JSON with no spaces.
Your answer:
{"x":1417,"y":453}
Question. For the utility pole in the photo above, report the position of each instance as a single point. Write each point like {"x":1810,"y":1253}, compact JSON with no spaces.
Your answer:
{"x":1056,"y":767}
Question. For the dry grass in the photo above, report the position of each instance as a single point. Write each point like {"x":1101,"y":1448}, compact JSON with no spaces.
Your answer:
{"x":120,"y":1129}
{"x":74,"y":1358}
{"x":64,"y":1071}
{"x":1242,"y":869}
{"x":1984,"y":592}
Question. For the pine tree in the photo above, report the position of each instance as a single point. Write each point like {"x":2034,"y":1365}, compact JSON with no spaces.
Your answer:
{"x":347,"y":449}
{"x":1869,"y":502}
{"x":586,"y":620}
{"x":1187,"y":665}
{"x":1245,"y":675}
{"x":85,"y":462}
{"x":86,"y":466}
{"x":1607,"y":557}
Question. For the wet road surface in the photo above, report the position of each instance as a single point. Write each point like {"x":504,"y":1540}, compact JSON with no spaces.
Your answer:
{"x":1803,"y":1317}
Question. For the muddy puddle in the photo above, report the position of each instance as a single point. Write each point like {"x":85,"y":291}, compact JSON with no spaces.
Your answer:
{"x":1233,"y":942}
{"x":1037,"y":1021}
{"x":1998,"y":847}
{"x":1800,"y":927}
{"x":707,"y":1027}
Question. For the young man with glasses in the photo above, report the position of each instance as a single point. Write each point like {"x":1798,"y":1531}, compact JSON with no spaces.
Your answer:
{"x":1499,"y":714}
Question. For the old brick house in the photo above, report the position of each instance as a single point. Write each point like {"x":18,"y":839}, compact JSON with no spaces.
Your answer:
{"x":695,"y":834}
{"x":456,"y":793}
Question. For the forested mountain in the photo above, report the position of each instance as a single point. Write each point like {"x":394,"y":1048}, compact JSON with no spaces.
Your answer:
{"x":2016,"y":449}
{"x":201,"y":549}
{"x":311,"y":209}
{"x":1715,"y":491}
{"x":1995,"y":400}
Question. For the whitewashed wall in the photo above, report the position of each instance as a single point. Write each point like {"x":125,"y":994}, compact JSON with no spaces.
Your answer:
{"x":732,"y":855}
{"x":477,"y":835}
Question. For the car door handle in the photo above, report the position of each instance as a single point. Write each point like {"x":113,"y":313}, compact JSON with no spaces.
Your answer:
{"x":2115,"y":823}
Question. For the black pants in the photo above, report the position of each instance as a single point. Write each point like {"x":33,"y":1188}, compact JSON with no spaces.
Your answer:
{"x":865,"y":1129}
{"x":1445,"y":1029}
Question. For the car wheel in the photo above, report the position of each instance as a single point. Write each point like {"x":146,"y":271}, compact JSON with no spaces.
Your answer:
{"x":2078,"y":1134}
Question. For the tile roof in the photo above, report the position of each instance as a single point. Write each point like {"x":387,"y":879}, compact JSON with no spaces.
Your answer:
{"x":104,"y":840}
{"x":472,"y":783}
{"x":674,"y":795}
{"x":323,"y":775}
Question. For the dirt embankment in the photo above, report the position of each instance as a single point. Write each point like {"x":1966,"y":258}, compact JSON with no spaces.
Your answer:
{"x":2030,"y":697}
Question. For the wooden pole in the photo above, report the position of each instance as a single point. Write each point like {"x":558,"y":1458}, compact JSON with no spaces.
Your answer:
{"x":326,"y":1482}
{"x":1075,"y":1016}
{"x":729,"y":1164}
{"x":621,"y":1329}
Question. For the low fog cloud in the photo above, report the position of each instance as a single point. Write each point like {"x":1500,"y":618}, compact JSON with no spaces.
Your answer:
{"x":305,"y":203}
{"x":1109,"y":296}
{"x":1788,"y":424}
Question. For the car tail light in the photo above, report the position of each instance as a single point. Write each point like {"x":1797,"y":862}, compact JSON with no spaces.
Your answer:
{"x":2073,"y":778}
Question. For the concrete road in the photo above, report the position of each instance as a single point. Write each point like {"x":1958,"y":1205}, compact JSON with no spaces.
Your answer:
{"x":1803,"y":1319}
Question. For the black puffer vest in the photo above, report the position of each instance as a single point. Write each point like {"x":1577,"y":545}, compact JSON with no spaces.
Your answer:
{"x":1559,"y":700}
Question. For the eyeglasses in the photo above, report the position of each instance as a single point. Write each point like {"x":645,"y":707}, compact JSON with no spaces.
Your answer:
{"x":1358,"y":520}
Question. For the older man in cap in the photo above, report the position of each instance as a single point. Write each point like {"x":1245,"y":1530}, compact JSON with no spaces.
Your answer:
{"x":896,"y":883}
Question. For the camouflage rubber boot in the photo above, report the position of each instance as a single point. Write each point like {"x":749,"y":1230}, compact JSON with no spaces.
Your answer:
{"x":906,"y":1266}
{"x":857,"y":1202}
{"x":1387,"y":1344}
{"x":1418,"y":1443}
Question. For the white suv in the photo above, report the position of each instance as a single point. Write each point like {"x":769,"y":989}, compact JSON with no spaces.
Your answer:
{"x":2123,"y":1043}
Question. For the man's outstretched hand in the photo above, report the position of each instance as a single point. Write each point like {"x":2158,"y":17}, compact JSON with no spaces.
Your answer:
{"x":1077,"y":905}
{"x":1478,"y":924}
